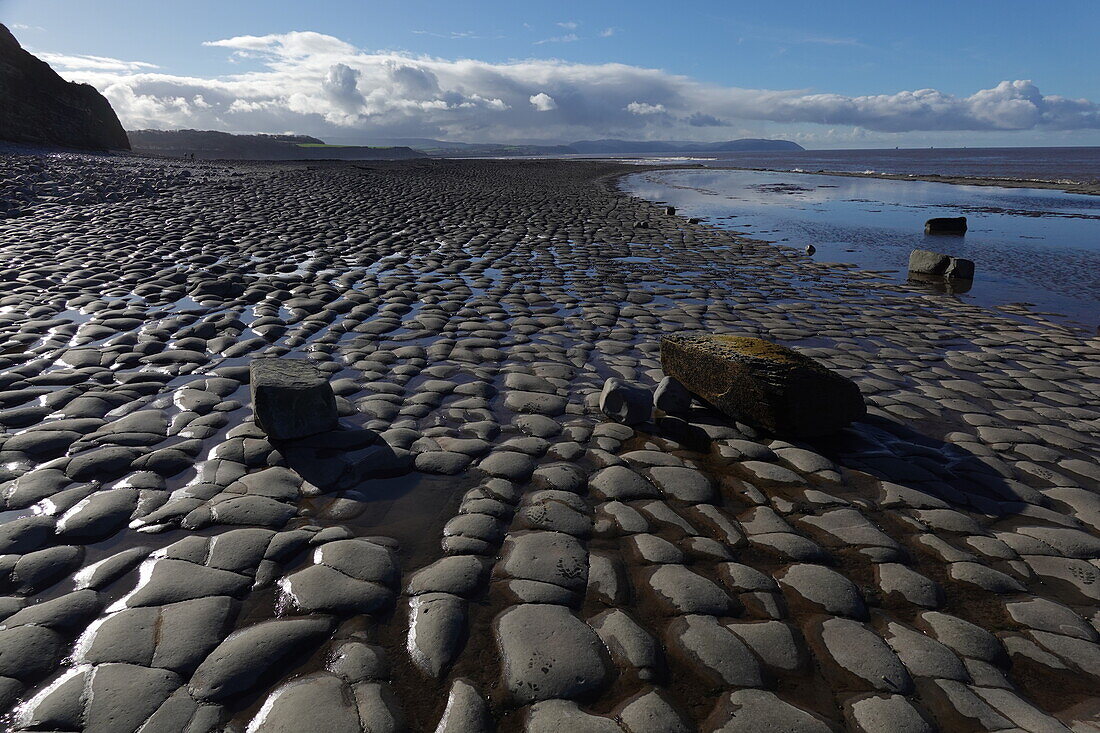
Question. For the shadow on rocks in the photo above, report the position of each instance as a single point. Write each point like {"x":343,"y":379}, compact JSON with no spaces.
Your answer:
{"x":895,"y":452}
{"x":691,"y":436}
{"x":343,"y":458}
{"x":887,"y":449}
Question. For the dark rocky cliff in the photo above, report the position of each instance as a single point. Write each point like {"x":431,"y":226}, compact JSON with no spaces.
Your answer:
{"x":39,"y":107}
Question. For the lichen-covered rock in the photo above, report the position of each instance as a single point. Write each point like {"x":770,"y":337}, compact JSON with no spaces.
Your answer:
{"x":291,"y":398}
{"x":763,"y":383}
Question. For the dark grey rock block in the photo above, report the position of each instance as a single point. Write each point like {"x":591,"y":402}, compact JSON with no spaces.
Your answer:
{"x":946,"y":225}
{"x":291,"y":398}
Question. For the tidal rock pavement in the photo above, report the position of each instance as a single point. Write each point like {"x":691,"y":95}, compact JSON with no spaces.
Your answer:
{"x":478,"y":547}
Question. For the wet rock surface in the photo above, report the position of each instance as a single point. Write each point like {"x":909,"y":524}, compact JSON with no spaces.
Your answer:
{"x":925,"y":263}
{"x":763,"y":383}
{"x":475,"y":545}
{"x":945,"y":225}
{"x":291,"y":398}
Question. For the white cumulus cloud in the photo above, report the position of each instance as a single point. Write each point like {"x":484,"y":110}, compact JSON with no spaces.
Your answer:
{"x":644,"y":108}
{"x":341,"y":85}
{"x":543,"y":102}
{"x":320,"y":85}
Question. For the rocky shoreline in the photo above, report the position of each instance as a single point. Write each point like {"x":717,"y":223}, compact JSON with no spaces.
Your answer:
{"x":477,"y":547}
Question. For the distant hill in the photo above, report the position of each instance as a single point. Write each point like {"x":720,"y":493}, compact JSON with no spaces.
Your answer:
{"x":211,"y":144}
{"x":586,"y":147}
{"x":38,"y":107}
{"x":452,"y":149}
{"x":486,"y":150}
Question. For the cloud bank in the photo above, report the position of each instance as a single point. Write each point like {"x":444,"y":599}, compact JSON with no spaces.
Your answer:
{"x":316,"y":84}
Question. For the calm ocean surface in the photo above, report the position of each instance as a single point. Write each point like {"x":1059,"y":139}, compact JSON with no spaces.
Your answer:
{"x":1035,"y":246}
{"x":1081,"y":165}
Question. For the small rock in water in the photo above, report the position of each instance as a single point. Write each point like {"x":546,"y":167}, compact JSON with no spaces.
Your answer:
{"x":925,"y":263}
{"x":763,"y":383}
{"x":672,"y":397}
{"x":625,"y":404}
{"x":291,"y":398}
{"x":946,"y":225}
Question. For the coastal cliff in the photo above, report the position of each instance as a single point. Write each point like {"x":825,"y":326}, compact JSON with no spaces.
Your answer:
{"x":41,"y":108}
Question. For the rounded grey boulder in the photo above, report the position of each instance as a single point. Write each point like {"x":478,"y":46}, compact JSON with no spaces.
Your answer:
{"x":548,"y":653}
{"x":625,"y":404}
{"x":924,"y":263}
{"x":672,"y":397}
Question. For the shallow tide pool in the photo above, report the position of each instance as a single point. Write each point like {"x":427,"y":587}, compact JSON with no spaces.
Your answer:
{"x":1034,"y":246}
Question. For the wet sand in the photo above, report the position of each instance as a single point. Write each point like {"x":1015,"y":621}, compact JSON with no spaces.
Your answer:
{"x":478,"y":547}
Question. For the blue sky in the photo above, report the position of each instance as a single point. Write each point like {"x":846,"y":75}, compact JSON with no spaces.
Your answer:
{"x":827,"y":74}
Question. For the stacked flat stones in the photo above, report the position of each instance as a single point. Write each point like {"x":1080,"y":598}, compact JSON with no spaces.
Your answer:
{"x":168,"y":566}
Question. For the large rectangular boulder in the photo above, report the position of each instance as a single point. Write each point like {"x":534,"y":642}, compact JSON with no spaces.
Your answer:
{"x":763,"y":384}
{"x":924,"y":264}
{"x":291,"y":398}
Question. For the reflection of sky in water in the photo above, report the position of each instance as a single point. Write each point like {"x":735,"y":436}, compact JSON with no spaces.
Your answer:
{"x":1030,"y":245}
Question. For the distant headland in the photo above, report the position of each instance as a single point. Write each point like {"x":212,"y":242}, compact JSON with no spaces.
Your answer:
{"x":589,"y":147}
{"x":209,"y":144}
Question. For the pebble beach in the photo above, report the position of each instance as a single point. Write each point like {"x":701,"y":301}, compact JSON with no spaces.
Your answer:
{"x":478,"y":547}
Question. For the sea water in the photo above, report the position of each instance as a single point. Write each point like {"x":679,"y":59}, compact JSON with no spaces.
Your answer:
{"x":1077,"y":165}
{"x":1034,"y":246}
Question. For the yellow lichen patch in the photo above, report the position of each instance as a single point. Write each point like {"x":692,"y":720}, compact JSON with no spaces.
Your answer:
{"x":758,"y":348}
